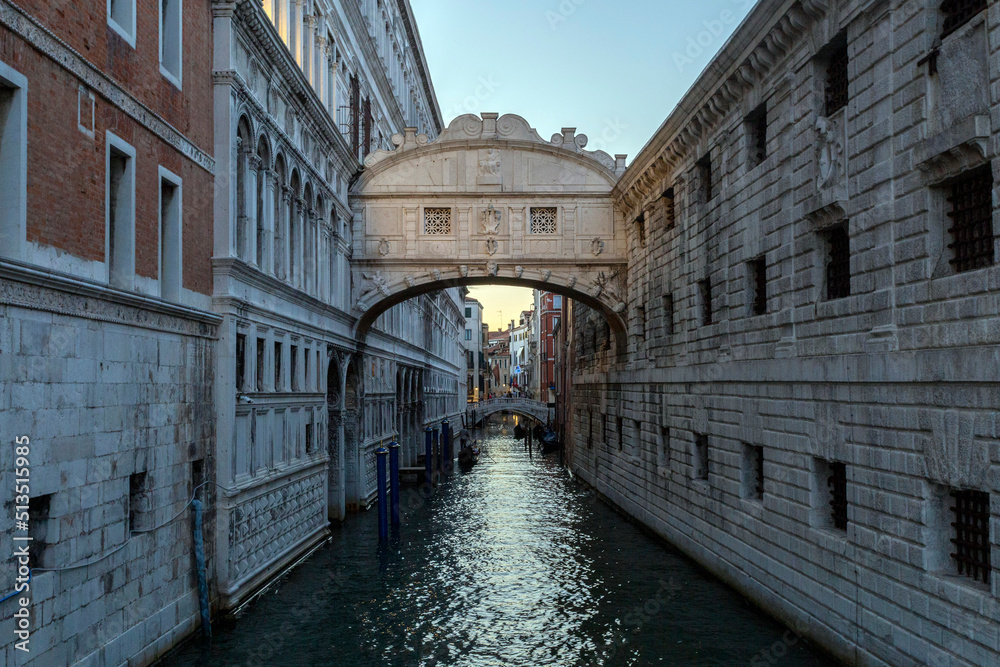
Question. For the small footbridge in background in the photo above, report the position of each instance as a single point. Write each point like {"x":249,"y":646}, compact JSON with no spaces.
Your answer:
{"x":477,"y":412}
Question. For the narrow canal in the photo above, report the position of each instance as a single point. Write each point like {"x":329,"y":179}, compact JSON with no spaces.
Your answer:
{"x":513,"y":563}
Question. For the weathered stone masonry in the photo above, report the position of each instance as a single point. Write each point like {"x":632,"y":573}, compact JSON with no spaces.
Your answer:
{"x":893,"y":384}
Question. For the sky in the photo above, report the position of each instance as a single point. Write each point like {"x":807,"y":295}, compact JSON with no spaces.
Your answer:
{"x":614,"y":69}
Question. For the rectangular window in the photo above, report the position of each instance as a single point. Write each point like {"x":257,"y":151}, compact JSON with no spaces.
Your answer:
{"x":604,"y":429}
{"x":756,"y":129}
{"x":171,"y":261}
{"x":753,"y":472}
{"x":959,"y":12}
{"x":309,"y":435}
{"x":705,"y":294}
{"x":705,"y":176}
{"x":971,"y":539}
{"x":971,"y":214}
{"x":241,"y":361}
{"x":590,"y":429}
{"x":198,"y":478}
{"x":86,"y":110}
{"x":543,"y":220}
{"x":663,"y":450}
{"x":293,"y":355}
{"x":121,"y":19}
{"x":261,"y":362}
{"x":120,"y":223}
{"x":668,"y":314}
{"x":556,"y":302}
{"x":640,"y":312}
{"x":171,"y":40}
{"x":38,"y":529}
{"x":13,"y":162}
{"x":838,"y":262}
{"x":830,"y":506}
{"x":468,"y":313}
{"x":278,"y":384}
{"x":757,"y":285}
{"x":138,"y":502}
{"x":700,"y":463}
{"x":468,"y":334}
{"x":437,"y":221}
{"x":669,"y":212}
{"x":621,"y":428}
{"x":835,"y":86}
{"x":640,"y":229}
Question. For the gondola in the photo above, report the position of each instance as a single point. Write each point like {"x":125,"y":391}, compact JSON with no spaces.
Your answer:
{"x":550,"y":442}
{"x":468,"y":456}
{"x":519,"y":432}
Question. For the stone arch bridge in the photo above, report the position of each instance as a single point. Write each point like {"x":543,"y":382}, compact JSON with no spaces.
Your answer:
{"x":526,"y":407}
{"x":488,"y":202}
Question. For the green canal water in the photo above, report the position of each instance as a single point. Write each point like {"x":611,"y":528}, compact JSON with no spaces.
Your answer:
{"x":512,"y":563}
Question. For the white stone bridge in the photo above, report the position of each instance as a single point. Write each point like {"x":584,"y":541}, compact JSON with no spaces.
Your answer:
{"x":477,"y":412}
{"x":488,"y":202}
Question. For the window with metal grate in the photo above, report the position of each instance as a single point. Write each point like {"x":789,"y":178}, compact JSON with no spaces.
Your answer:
{"x":756,"y":128}
{"x":959,"y":12}
{"x":705,"y":290}
{"x":757,"y":273}
{"x":971,"y":214}
{"x":700,"y":456}
{"x":705,"y":176}
{"x":838,"y":263}
{"x":835,"y":89}
{"x":669,"y":212}
{"x":972,"y":534}
{"x":837,"y":484}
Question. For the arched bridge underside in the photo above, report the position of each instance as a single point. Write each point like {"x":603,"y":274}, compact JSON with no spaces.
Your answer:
{"x":525,"y":407}
{"x":489,"y":202}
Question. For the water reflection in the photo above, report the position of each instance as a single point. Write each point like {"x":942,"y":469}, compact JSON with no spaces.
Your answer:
{"x":513,"y":563}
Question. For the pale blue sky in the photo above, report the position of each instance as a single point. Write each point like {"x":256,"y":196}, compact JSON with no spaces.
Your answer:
{"x":614,"y":69}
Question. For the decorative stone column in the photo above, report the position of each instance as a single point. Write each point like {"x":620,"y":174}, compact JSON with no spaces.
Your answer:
{"x":250,"y":207}
{"x":308,"y":39}
{"x":268,"y":224}
{"x":299,"y":248}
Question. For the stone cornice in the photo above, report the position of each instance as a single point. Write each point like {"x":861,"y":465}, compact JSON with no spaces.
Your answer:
{"x":413,"y":34}
{"x":749,"y":55}
{"x":27,"y":286}
{"x":43,"y":40}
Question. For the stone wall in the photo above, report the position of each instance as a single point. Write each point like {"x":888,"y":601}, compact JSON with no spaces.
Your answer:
{"x":895,"y":380}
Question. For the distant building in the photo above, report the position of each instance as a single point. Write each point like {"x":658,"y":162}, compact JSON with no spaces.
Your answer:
{"x":498,"y":360}
{"x":521,"y":358}
{"x":474,"y":341}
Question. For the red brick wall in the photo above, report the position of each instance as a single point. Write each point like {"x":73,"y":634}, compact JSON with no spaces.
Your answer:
{"x":66,"y":168}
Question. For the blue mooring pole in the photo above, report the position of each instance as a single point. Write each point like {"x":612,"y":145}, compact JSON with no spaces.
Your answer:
{"x":429,"y":455}
{"x":383,"y":512}
{"x":394,"y":480}
{"x":446,"y":436}
{"x":199,"y":555}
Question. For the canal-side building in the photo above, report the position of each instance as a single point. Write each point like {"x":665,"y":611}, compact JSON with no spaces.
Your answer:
{"x":808,"y":405}
{"x":473,"y":341}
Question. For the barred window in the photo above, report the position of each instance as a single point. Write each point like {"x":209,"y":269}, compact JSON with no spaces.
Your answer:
{"x":838,"y":263}
{"x":669,"y":212}
{"x":543,"y":220}
{"x":757,"y":274}
{"x":705,"y":292}
{"x":836,"y":482}
{"x":437,"y":221}
{"x":705,"y":175}
{"x":959,"y":12}
{"x":972,"y":219}
{"x":241,"y":361}
{"x":640,"y":229}
{"x":700,"y":456}
{"x":835,"y":90}
{"x":756,"y":127}
{"x":753,"y":472}
{"x":972,"y":534}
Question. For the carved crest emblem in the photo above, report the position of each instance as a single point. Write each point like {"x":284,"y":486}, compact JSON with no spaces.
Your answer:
{"x":597,"y":246}
{"x":828,"y":151}
{"x":491,"y":221}
{"x":384,"y":247}
{"x":492,"y":246}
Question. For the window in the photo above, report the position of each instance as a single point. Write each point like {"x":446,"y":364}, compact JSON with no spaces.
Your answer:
{"x":959,"y":12}
{"x":663,"y":450}
{"x":543,"y":220}
{"x":38,"y":528}
{"x":241,"y":360}
{"x":119,"y":239}
{"x":640,"y":229}
{"x":669,"y":212}
{"x":278,"y":384}
{"x":138,"y":501}
{"x":835,"y":87}
{"x":604,"y":429}
{"x":437,"y":221}
{"x":556,"y":302}
{"x":171,"y":262}
{"x":197,"y":477}
{"x":640,"y":312}
{"x":621,"y":443}
{"x":830,"y":505}
{"x":171,"y":40}
{"x":468,"y":313}
{"x":972,"y":534}
{"x":668,"y":314}
{"x":753,"y":472}
{"x":121,"y":19}
{"x":705,"y":292}
{"x":971,"y":214}
{"x":705,"y":176}
{"x":756,"y":129}
{"x":13,"y":162}
{"x":468,"y":334}
{"x":700,"y":463}
{"x":261,"y":362}
{"x":309,"y":435}
{"x":757,"y":285}
{"x":590,"y":429}
{"x":86,"y":112}
{"x":293,"y":355}
{"x":838,"y":262}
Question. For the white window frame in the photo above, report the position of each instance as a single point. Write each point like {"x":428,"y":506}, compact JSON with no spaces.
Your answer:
{"x":125,"y":277}
{"x":171,"y":285}
{"x":175,"y":78}
{"x":127,"y":32}
{"x":14,"y":165}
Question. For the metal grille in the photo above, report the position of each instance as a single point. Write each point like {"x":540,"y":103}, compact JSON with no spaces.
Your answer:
{"x":759,"y":469}
{"x":972,"y":219}
{"x":669,"y":213}
{"x":837,"y":482}
{"x":705,"y":287}
{"x":838,"y":266}
{"x":241,"y":361}
{"x":958,"y":12}
{"x":367,"y":117}
{"x":972,"y":534}
{"x":705,"y":172}
{"x":701,"y":456}
{"x":836,"y":81}
{"x":437,"y":221}
{"x":640,"y":229}
{"x":758,"y":273}
{"x":757,"y":135}
{"x":355,"y":114}
{"x":543,"y":220}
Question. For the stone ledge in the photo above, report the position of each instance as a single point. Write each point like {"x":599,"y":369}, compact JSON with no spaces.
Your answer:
{"x":954,"y":150}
